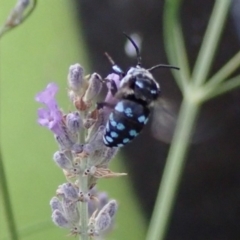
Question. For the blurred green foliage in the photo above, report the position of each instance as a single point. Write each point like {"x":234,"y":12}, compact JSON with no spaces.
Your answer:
{"x":32,"y":55}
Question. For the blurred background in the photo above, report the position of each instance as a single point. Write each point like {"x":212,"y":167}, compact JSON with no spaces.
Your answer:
{"x":60,"y":33}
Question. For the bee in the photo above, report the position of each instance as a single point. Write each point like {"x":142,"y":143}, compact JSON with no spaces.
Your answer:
{"x":137,"y":93}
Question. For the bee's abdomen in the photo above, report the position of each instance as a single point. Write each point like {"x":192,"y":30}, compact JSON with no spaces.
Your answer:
{"x":125,"y":123}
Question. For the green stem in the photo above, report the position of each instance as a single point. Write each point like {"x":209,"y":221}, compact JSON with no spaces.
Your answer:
{"x":174,"y":43}
{"x":210,"y":41}
{"x":181,"y":54}
{"x":7,"y":203}
{"x":169,"y":19}
{"x":225,"y":87}
{"x":83,"y":185}
{"x":225,"y":71}
{"x":173,"y":170}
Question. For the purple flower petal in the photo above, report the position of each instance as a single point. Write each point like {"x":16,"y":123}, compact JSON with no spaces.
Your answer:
{"x":48,"y":94}
{"x":50,"y":119}
{"x":112,"y":77}
{"x":51,"y":116}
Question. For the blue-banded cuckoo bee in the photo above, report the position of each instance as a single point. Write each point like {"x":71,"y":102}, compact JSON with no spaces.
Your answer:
{"x":137,"y":93}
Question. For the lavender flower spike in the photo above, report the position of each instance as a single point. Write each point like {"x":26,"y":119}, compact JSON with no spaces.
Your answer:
{"x":51,"y":116}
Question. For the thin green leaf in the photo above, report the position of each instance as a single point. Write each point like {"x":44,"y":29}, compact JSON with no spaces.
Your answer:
{"x":7,"y":203}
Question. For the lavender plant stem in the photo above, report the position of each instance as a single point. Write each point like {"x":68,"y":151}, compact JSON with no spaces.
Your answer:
{"x":83,"y":185}
{"x":173,"y":170}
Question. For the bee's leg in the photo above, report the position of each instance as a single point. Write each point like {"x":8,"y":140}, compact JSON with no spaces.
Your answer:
{"x":104,"y":104}
{"x":115,"y":67}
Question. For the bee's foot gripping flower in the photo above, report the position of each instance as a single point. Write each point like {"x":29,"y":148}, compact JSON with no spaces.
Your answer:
{"x":82,"y":154}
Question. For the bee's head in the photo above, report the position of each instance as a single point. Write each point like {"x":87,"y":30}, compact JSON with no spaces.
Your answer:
{"x":146,"y":88}
{"x":142,"y":83}
{"x":141,"y":80}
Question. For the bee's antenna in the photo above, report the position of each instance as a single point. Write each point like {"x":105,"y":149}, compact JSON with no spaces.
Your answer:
{"x":162,"y":66}
{"x":139,"y":58}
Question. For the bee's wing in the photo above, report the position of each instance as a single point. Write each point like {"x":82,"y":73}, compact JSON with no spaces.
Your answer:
{"x":165,"y":115}
{"x":164,"y":120}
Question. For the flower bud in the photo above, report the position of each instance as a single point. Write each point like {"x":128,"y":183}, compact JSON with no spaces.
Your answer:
{"x":74,"y":122}
{"x":24,"y":3}
{"x":111,"y":208}
{"x":102,"y":201}
{"x":17,"y":14}
{"x":60,"y":220}
{"x":62,"y":161}
{"x":100,"y":154}
{"x":56,"y":204}
{"x":69,"y":191}
{"x":100,"y":121}
{"x":88,"y":149}
{"x":77,"y":148}
{"x":75,"y":77}
{"x":107,"y":155}
{"x":96,"y":141}
{"x":105,"y":216}
{"x":64,"y":141}
{"x":103,"y":221}
{"x":94,"y":88}
{"x":71,"y":211}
